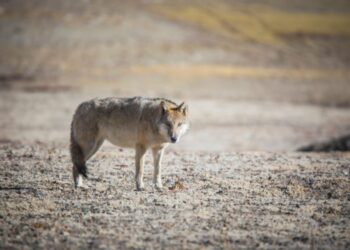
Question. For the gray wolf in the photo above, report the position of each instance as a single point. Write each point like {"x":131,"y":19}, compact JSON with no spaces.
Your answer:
{"x":139,"y":122}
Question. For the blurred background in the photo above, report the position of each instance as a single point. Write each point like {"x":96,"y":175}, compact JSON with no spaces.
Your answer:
{"x":259,"y":75}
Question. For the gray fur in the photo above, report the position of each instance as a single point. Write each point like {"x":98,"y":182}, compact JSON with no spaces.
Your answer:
{"x":137,"y":122}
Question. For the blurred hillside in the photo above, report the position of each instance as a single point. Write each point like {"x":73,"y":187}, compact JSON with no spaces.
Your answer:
{"x":258,"y":75}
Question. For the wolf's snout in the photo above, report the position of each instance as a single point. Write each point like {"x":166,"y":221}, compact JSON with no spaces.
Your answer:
{"x":173,"y":139}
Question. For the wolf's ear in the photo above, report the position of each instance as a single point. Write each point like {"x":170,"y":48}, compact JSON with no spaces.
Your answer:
{"x":183,"y":108}
{"x":163,"y":108}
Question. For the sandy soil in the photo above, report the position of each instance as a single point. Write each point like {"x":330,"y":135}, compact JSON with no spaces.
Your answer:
{"x":234,"y":181}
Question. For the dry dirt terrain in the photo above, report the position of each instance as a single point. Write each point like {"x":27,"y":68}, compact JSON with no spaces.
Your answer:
{"x":210,"y":200}
{"x":262,"y":79}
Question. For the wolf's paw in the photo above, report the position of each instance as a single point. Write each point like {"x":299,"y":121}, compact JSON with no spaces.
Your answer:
{"x":78,"y":181}
{"x":140,"y":187}
{"x":158,"y":186}
{"x":81,"y":187}
{"x":78,"y":185}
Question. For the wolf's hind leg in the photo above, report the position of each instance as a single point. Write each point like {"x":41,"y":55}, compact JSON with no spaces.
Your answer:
{"x":77,"y":177}
{"x":81,"y":151}
{"x":79,"y":167}
{"x":79,"y":163}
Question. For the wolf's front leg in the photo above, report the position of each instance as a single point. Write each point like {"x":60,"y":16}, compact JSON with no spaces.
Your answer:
{"x":157,"y":158}
{"x":139,"y":162}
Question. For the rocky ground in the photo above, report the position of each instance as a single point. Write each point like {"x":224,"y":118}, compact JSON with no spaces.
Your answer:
{"x":255,"y":96}
{"x":210,"y":200}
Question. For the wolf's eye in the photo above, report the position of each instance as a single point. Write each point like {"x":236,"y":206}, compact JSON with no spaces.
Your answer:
{"x":180,"y":124}
{"x":168,"y":125}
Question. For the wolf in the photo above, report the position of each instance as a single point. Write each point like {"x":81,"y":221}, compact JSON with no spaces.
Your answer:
{"x":139,"y":122}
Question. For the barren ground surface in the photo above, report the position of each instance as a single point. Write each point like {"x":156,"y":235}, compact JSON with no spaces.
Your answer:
{"x":210,"y":200}
{"x":234,"y":181}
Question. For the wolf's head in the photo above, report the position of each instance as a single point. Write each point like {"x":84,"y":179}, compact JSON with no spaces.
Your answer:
{"x":173,"y":122}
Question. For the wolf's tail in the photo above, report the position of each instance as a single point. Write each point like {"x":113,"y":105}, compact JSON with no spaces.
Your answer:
{"x":77,"y":155}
